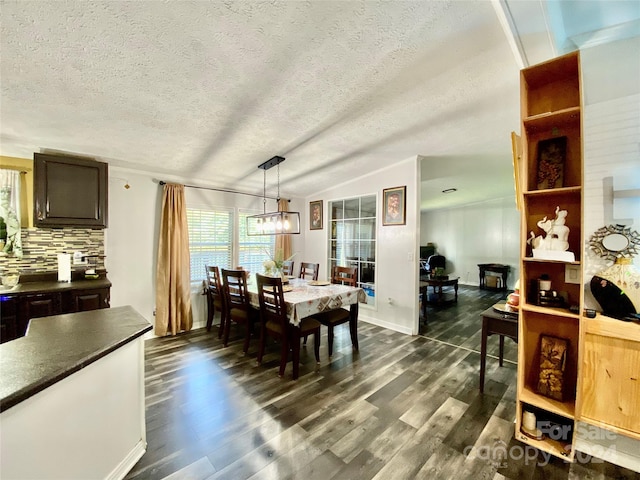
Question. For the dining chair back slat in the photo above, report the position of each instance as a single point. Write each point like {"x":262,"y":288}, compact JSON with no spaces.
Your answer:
{"x":275,"y":323}
{"x":215,"y":297}
{"x":287,"y":267}
{"x":309,"y":271}
{"x":344,"y":275}
{"x":338,"y":316}
{"x":238,"y":307}
{"x":273,"y":316}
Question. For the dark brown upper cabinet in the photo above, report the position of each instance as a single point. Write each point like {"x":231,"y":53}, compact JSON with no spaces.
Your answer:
{"x":69,"y":192}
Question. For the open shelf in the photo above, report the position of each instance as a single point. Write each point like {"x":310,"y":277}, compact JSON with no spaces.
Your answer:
{"x":551,"y":86}
{"x":533,"y":269}
{"x":549,"y":121}
{"x":554,"y":447}
{"x":566,"y":409}
{"x":549,"y":192}
{"x":560,"y":312}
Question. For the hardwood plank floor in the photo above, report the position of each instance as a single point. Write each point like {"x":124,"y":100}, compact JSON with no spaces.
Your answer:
{"x":402,"y":407}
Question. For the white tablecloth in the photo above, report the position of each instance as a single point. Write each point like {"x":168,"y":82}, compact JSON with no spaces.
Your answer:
{"x":305,"y":300}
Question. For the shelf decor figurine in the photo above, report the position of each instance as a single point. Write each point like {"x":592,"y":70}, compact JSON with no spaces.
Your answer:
{"x":555,"y":244}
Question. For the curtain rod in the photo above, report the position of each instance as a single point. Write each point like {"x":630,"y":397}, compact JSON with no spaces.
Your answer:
{"x":20,"y":169}
{"x":162,"y":182}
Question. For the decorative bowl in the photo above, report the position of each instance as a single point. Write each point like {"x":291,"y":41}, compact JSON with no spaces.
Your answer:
{"x":10,"y":280}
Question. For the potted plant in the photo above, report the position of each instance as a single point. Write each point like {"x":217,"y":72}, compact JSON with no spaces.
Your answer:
{"x":439,"y":274}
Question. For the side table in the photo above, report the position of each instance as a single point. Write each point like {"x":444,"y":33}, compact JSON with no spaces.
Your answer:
{"x":500,"y":324}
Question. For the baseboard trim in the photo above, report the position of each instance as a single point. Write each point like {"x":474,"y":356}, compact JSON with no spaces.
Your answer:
{"x":128,"y":462}
{"x":389,"y":326}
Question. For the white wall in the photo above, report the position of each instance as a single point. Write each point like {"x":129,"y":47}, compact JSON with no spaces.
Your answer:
{"x":397,"y":246}
{"x":132,"y":236}
{"x":484,"y":232}
{"x":611,"y":129}
{"x":611,"y":126}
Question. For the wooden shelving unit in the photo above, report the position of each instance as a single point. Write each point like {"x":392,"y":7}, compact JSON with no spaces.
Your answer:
{"x":550,"y":108}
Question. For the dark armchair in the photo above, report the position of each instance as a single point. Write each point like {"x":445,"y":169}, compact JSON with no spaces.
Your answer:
{"x":436,"y":261}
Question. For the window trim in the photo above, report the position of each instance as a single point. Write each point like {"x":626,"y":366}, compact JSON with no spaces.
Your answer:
{"x":372,"y":303}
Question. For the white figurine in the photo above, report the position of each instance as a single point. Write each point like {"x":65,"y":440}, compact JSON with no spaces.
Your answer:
{"x":556,"y":239}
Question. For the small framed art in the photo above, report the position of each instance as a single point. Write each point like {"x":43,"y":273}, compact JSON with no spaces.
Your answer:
{"x":394,"y":203}
{"x":315,"y":215}
{"x":551,"y":158}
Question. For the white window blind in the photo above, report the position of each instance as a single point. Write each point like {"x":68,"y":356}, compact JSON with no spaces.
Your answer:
{"x":210,"y":240}
{"x":252,"y":250}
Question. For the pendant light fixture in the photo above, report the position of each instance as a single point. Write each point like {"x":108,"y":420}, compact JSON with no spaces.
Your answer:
{"x":273,"y":223}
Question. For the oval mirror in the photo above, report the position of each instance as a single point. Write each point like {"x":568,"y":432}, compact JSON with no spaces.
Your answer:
{"x":615,"y":242}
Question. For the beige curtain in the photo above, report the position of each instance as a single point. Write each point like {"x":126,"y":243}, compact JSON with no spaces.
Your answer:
{"x":173,"y":282}
{"x":283,"y":242}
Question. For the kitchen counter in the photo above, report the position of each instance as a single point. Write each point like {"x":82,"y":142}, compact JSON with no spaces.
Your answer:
{"x":57,"y":346}
{"x":72,"y":396}
{"x":55,"y":286}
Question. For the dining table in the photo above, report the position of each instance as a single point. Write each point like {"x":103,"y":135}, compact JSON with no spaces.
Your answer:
{"x":305,"y":298}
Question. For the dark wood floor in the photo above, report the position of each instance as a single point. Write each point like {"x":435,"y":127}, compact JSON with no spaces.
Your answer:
{"x":404,"y":407}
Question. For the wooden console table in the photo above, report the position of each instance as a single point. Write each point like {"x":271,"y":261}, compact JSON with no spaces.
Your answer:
{"x":496,"y":268}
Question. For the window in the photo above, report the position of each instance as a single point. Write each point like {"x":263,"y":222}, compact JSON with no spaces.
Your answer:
{"x":210,"y":240}
{"x":352,"y":240}
{"x":252,"y":249}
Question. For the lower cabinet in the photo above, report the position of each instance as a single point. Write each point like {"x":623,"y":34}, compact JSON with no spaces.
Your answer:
{"x":610,"y":380}
{"x":89,"y":299}
{"x":37,"y":305}
{"x":8,"y":318}
{"x":18,"y":308}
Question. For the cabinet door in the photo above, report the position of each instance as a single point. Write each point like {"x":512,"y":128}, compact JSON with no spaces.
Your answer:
{"x":69,"y":192}
{"x":8,"y":318}
{"x":35,"y":306}
{"x":84,"y":300}
{"x":610,"y":374}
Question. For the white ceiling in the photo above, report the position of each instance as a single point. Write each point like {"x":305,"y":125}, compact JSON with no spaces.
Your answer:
{"x":210,"y":90}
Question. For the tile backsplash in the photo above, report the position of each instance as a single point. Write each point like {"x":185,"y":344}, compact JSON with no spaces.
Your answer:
{"x":41,"y":247}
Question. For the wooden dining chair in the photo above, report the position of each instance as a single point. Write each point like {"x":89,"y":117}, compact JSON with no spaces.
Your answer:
{"x":215,"y":297}
{"x":338,"y":316}
{"x":275,"y":323}
{"x":287,"y":267}
{"x":309,"y":271}
{"x":238,"y":308}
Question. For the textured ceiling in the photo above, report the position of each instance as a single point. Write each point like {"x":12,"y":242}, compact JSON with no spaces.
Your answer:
{"x":209,"y":90}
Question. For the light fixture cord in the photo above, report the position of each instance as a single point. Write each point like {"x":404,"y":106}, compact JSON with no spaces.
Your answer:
{"x":278,"y":197}
{"x":264,"y":191}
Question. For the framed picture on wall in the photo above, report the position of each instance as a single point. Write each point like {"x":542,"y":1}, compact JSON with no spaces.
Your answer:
{"x":315,"y":215}
{"x":394,"y":203}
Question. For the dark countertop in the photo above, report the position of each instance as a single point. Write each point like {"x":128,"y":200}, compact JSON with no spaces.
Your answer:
{"x":57,"y":346}
{"x":54,"y":286}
